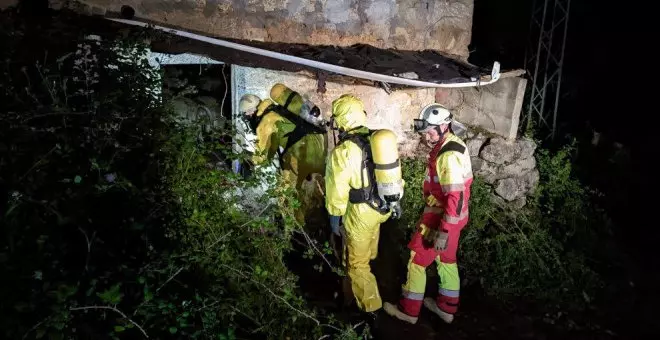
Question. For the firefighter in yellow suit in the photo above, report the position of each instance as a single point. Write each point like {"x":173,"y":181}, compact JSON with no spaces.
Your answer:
{"x":361,"y":222}
{"x":297,"y":161}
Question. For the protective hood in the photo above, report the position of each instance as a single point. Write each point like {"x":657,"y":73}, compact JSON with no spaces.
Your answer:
{"x":261,"y":109}
{"x":348,"y":112}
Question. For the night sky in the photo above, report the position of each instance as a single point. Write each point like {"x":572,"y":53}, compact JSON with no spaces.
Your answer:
{"x":600,"y":50}
{"x":606,"y":87}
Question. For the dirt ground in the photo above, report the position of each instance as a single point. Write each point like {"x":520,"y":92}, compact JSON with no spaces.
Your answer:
{"x":479,"y":316}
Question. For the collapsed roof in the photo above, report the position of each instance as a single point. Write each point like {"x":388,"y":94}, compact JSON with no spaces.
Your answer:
{"x":408,"y":68}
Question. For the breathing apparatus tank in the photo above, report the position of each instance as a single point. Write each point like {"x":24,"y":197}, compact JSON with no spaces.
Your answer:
{"x":296,"y":104}
{"x":387,"y":169}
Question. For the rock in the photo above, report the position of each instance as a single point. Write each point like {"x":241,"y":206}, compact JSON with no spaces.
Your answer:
{"x":517,"y":187}
{"x":477,"y":163}
{"x":526,"y":148}
{"x":510,"y":189}
{"x":475,"y":143}
{"x":518,"y":168}
{"x":489,"y":172}
{"x":518,"y":203}
{"x":499,"y":151}
{"x":532,"y":180}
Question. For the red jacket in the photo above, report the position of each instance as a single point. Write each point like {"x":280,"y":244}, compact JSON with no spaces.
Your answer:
{"x":447,"y":183}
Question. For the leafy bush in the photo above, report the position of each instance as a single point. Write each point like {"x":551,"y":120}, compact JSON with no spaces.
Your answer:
{"x":120,"y":223}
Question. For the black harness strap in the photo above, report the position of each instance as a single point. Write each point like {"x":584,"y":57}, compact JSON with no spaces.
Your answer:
{"x":389,"y":166}
{"x":289,"y":99}
{"x":451,"y":146}
{"x":302,"y":128}
{"x":367,"y":194}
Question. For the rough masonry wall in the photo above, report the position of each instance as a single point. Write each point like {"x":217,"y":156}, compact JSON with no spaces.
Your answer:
{"x":494,"y":108}
{"x":443,"y":25}
{"x":508,"y":166}
{"x":395,"y":111}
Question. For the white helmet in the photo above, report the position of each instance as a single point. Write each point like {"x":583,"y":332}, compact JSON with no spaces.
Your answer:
{"x":431,"y":116}
{"x":248,"y":104}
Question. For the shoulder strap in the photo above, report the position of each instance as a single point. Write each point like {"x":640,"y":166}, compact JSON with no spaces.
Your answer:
{"x":363,"y":143}
{"x":302,"y":128}
{"x":359,"y":139}
{"x":297,"y":121}
{"x":451,"y":146}
{"x":289,"y":99}
{"x":366,"y":194}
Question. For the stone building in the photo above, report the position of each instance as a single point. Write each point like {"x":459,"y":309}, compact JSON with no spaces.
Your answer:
{"x":396,"y":28}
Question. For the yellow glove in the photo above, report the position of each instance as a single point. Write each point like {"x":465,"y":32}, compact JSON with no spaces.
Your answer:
{"x":431,"y":201}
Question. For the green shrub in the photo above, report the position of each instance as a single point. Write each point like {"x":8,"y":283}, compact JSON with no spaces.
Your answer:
{"x":120,"y":223}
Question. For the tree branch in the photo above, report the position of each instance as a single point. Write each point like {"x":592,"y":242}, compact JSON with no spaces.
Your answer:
{"x":170,"y":279}
{"x":272,"y":293}
{"x":114,"y":310}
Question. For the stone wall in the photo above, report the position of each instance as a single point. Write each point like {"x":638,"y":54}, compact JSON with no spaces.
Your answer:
{"x":494,"y":108}
{"x":506,"y":164}
{"x":394,"y":111}
{"x":509,"y":166}
{"x":443,"y":25}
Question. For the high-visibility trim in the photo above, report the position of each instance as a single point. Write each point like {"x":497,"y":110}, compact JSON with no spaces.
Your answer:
{"x":449,"y":292}
{"x":454,"y":219}
{"x":452,"y":187}
{"x":412,"y":296}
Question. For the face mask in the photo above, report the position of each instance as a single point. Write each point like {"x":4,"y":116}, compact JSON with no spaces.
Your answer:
{"x":251,"y":121}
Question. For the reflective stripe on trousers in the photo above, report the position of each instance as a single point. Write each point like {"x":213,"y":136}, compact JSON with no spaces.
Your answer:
{"x":449,"y":292}
{"x":413,"y":290}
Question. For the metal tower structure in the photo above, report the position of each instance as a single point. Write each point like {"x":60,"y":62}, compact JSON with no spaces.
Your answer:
{"x":544,"y":61}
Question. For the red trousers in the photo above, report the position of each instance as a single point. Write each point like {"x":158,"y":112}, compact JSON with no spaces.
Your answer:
{"x":421,"y":257}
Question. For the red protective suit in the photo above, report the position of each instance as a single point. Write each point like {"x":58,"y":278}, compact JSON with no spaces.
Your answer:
{"x":446,"y":192}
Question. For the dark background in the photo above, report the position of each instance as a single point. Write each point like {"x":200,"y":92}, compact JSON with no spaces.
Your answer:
{"x":607,"y":88}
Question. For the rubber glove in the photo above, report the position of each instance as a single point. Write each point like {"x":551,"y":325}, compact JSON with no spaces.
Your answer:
{"x":335,"y":221}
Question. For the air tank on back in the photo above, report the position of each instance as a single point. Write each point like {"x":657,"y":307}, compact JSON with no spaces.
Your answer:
{"x":387,"y":167}
{"x":296,"y":104}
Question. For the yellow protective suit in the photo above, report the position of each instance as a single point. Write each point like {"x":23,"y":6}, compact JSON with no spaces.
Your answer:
{"x":305,"y":157}
{"x":361,"y":222}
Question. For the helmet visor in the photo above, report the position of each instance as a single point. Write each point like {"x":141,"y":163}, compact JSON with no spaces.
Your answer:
{"x":421,"y":125}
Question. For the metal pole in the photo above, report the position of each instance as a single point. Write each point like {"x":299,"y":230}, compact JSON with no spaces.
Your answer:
{"x":561,"y":66}
{"x":548,"y":70}
{"x":536,"y":67}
